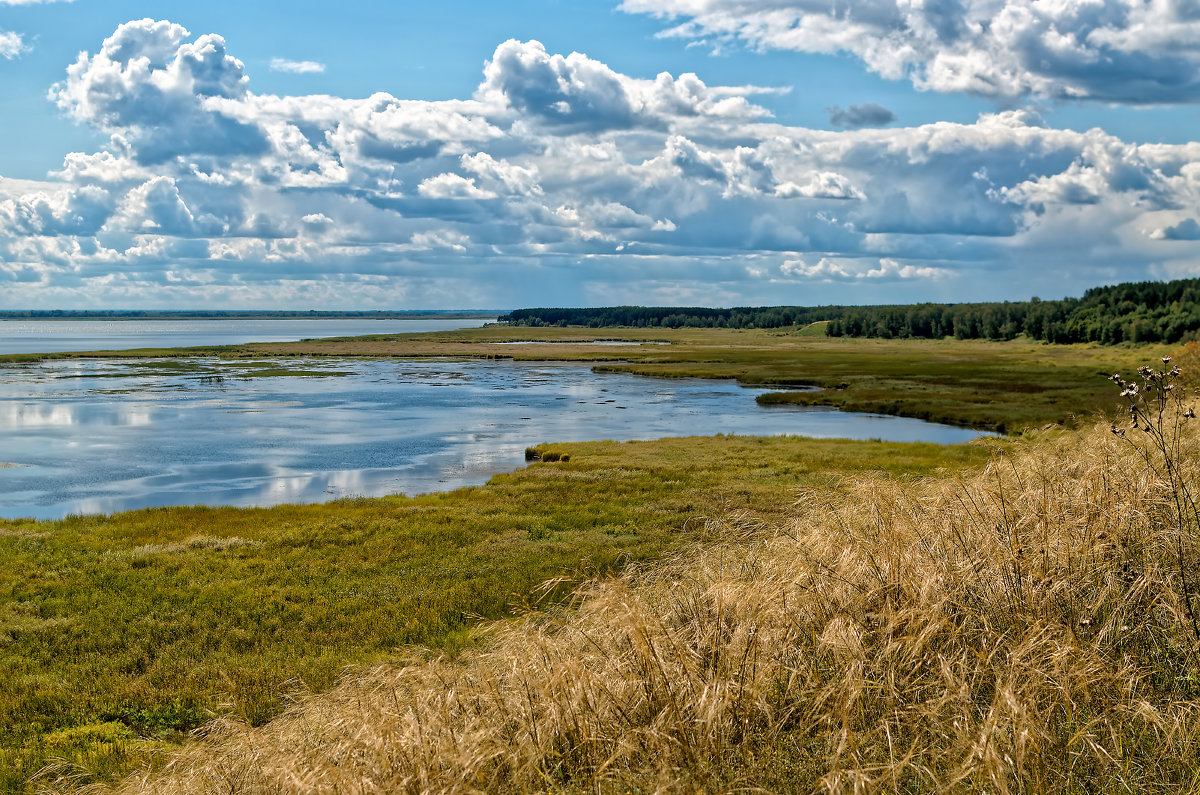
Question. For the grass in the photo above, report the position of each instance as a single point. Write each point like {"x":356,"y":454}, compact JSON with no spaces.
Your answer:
{"x":815,"y":329}
{"x":967,"y":632}
{"x":118,"y":634}
{"x":1007,"y":386}
{"x":1016,"y":629}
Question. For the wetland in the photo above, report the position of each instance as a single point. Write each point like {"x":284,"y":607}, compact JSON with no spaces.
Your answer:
{"x":101,"y":436}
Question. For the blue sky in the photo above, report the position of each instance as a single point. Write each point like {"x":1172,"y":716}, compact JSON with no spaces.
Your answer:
{"x":716,"y":152}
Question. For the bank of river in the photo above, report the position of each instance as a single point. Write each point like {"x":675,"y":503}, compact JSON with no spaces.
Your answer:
{"x":98,"y":436}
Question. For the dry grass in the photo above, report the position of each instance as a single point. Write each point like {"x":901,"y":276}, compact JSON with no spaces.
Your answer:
{"x":1021,"y":630}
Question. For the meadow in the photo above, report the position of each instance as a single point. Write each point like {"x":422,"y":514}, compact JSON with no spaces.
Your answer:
{"x":121,"y":634}
{"x":1027,"y":626}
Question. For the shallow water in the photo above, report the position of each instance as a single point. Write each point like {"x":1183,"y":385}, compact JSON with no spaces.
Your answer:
{"x":104,"y":436}
{"x":55,"y":336}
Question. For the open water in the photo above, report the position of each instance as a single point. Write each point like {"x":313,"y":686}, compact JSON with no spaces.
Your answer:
{"x":55,"y":336}
{"x":97,"y":436}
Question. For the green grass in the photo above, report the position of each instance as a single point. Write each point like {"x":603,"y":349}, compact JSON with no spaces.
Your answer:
{"x":120,"y":633}
{"x":816,"y":329}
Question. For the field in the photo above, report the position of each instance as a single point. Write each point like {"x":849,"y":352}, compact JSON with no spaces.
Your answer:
{"x":1005,"y":386}
{"x":120,"y":634}
{"x":1024,"y":628}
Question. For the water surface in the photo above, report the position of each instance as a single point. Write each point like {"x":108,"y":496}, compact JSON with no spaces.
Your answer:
{"x":55,"y":336}
{"x":99,"y":436}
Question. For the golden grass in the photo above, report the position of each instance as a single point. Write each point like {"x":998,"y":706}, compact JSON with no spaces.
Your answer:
{"x":1019,"y":630}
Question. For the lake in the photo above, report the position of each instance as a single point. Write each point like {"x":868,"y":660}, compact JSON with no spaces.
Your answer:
{"x":98,"y":436}
{"x":55,"y":336}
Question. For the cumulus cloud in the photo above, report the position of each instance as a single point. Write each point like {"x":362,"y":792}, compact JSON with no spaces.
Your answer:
{"x":74,"y":211}
{"x":296,"y":67}
{"x":822,"y":185}
{"x":560,"y":180}
{"x":580,"y":93}
{"x":1128,"y":51}
{"x":157,"y":207}
{"x":11,"y":44}
{"x":452,"y":186}
{"x":859,"y":116}
{"x":150,"y":86}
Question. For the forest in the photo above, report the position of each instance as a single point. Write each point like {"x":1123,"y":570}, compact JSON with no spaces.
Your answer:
{"x":1131,"y":312}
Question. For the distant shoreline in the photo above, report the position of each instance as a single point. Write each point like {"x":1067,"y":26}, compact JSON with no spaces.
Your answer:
{"x":416,"y":314}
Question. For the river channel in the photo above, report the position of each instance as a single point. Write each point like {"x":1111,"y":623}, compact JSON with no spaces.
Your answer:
{"x":98,"y":436}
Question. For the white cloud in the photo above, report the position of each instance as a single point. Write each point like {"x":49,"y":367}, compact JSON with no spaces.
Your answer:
{"x":156,"y":207}
{"x":828,"y":269}
{"x":296,"y":67}
{"x":452,"y":186}
{"x":822,"y":185}
{"x":151,"y":86}
{"x":578,"y":93}
{"x":73,"y":211}
{"x":891,"y":270}
{"x":11,"y":44}
{"x":662,"y":188}
{"x":823,"y":269}
{"x":1127,"y":51}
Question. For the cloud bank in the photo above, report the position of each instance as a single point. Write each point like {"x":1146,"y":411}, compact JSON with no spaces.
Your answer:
{"x":560,"y":181}
{"x":1127,"y":51}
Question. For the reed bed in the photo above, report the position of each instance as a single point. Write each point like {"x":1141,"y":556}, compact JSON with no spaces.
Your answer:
{"x":1023,"y":629}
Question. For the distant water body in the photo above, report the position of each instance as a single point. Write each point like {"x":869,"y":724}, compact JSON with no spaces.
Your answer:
{"x":98,"y":436}
{"x":57,"y":336}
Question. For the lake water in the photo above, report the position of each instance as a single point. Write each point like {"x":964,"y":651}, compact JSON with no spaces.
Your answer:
{"x":55,"y":336}
{"x":99,"y":436}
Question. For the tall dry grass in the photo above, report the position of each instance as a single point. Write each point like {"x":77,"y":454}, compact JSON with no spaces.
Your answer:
{"x":1024,"y":629}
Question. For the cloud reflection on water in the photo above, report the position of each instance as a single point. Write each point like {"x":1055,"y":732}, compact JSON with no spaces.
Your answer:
{"x":108,"y":436}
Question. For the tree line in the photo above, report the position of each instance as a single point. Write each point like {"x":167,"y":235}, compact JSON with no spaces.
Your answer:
{"x":1130,"y":312}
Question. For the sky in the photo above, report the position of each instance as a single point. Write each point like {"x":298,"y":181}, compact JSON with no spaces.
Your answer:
{"x":474,"y":154}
